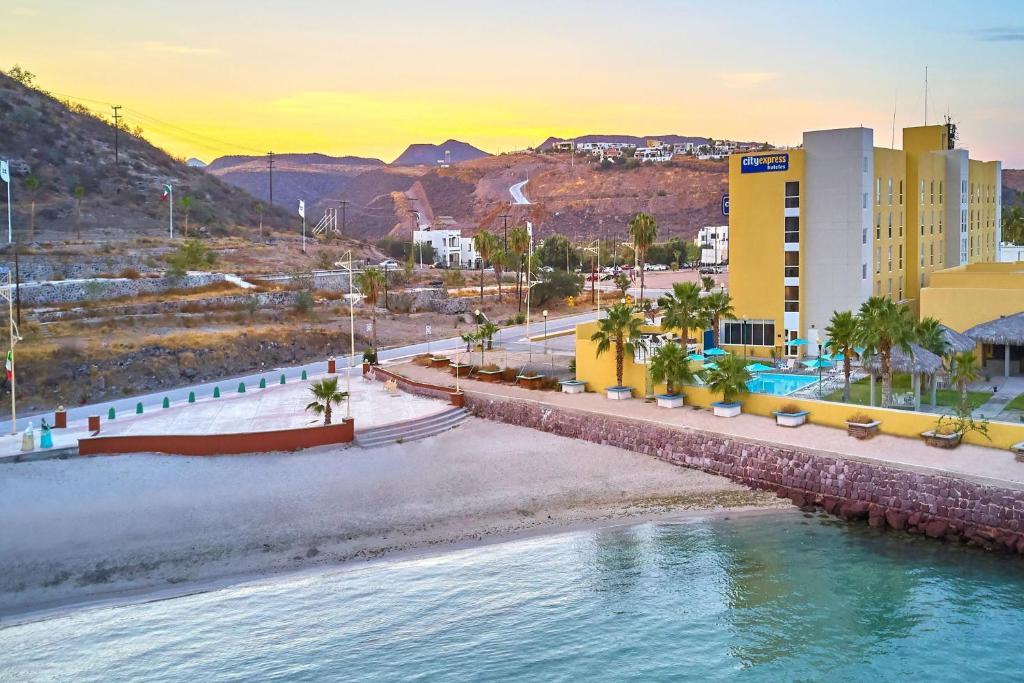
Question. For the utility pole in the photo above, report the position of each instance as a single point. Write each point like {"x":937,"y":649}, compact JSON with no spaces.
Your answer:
{"x":344,"y":205}
{"x":504,"y":219}
{"x":270,"y":167}
{"x":117,"y":129}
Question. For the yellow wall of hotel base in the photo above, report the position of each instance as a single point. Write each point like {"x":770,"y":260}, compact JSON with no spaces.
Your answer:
{"x":969,"y":295}
{"x":599,"y":373}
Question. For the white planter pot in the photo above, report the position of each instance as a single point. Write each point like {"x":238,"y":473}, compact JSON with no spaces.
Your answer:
{"x":726,"y":409}
{"x":573,"y":387}
{"x":791,"y":419}
{"x":619,"y":393}
{"x":666,"y":401}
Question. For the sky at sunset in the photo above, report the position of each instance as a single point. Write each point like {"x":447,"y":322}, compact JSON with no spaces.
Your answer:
{"x":367,"y":78}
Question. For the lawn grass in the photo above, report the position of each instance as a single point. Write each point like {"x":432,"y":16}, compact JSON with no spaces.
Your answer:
{"x":1016,"y":404}
{"x":860,"y":392}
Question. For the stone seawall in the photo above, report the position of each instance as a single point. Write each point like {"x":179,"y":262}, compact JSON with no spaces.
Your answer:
{"x":97,"y":289}
{"x":931,"y":504}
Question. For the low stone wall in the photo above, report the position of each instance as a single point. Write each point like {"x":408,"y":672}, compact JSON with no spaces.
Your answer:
{"x":97,"y":289}
{"x":931,"y":504}
{"x":418,"y":388}
{"x":231,"y":301}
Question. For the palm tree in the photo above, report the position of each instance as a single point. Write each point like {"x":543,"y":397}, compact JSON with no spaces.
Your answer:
{"x":670,"y":365}
{"x":842,"y":334}
{"x":79,"y":194}
{"x":683,"y":309}
{"x":1013,"y":225}
{"x":186,"y":205}
{"x":729,"y":378}
{"x":499,"y":259}
{"x":486,"y":245}
{"x":883,"y":326}
{"x":962,"y":369}
{"x":371,"y":284}
{"x":32,"y":183}
{"x":487,"y":332}
{"x":620,"y":329}
{"x":707,"y":282}
{"x":717,"y":307}
{"x":929,"y":334}
{"x":518,"y":245}
{"x":470,"y":338}
{"x":644,"y":230}
{"x":325,"y":394}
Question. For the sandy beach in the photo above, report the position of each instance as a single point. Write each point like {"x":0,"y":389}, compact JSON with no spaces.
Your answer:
{"x":85,"y":530}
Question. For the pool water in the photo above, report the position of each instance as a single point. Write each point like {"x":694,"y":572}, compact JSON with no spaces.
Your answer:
{"x":777,"y":597}
{"x":779,"y":384}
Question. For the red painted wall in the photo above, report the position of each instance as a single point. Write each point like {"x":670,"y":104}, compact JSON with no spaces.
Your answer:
{"x":220,"y":444}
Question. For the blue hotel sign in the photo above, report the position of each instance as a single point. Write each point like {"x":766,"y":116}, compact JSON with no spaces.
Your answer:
{"x":764,"y":162}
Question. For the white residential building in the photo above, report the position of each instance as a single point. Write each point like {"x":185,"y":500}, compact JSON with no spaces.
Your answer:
{"x":451,"y":249}
{"x":713,"y":241}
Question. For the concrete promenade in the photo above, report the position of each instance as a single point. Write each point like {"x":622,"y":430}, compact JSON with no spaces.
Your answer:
{"x":987,"y":466}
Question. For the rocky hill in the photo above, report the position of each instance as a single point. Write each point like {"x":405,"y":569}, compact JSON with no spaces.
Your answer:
{"x":63,"y":158}
{"x":1013,"y":187}
{"x":428,"y":155}
{"x":638,"y":140}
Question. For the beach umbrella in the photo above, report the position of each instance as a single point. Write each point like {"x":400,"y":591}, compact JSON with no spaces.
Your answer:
{"x":859,"y":350}
{"x":836,"y":357}
{"x":696,"y":357}
{"x":818,"y":363}
{"x":759,"y":367}
{"x":715,"y":352}
{"x":798,"y":342}
{"x":710,"y":366}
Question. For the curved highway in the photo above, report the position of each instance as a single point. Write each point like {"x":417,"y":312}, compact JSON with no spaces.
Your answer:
{"x":517,"y":193}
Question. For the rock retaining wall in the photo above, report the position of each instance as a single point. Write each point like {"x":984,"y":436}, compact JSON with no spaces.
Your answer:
{"x":97,"y":289}
{"x":935,"y":505}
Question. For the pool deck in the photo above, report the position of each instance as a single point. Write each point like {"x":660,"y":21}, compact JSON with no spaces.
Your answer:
{"x":979,"y":464}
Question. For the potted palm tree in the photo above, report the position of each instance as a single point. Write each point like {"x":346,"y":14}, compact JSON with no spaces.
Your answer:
{"x":487,"y":332}
{"x":729,"y":378}
{"x":949,"y":430}
{"x":644,"y":230}
{"x":489,"y":373}
{"x":670,"y":365}
{"x":621,"y":330}
{"x":683,"y":310}
{"x":717,"y":307}
{"x":790,"y":415}
{"x":573,"y":386}
{"x":325,"y":395}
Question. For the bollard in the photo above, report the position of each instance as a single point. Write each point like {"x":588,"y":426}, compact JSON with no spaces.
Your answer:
{"x":241,"y":387}
{"x":60,"y":418}
{"x":303,"y":374}
{"x":191,"y":397}
{"x":216,"y":392}
{"x":111,"y":414}
{"x":138,"y":408}
{"x":331,"y":366}
{"x":94,"y":424}
{"x":167,"y":402}
{"x":263,"y":382}
{"x":282,"y":378}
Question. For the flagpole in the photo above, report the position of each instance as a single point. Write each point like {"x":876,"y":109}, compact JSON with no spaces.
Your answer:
{"x":10,"y":313}
{"x":170,"y":210}
{"x":5,"y":175}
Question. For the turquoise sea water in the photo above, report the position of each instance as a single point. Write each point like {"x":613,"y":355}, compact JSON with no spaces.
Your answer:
{"x":768,"y":598}
{"x":779,"y":384}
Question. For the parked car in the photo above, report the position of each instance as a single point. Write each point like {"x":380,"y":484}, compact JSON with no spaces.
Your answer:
{"x":545,"y":269}
{"x":388,"y":264}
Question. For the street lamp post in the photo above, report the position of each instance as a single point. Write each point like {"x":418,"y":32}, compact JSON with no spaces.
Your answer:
{"x":351,"y":335}
{"x":545,"y":314}
{"x":479,"y":339}
{"x":15,"y":337}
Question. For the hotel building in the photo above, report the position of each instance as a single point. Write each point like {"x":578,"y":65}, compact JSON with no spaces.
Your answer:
{"x":822,"y":227}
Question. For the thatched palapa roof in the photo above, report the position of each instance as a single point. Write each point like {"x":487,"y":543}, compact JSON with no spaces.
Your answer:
{"x":1007,"y":329}
{"x":920,"y":361}
{"x":956,"y":341}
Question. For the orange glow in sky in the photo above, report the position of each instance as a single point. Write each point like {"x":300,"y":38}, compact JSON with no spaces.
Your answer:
{"x":214,"y":78}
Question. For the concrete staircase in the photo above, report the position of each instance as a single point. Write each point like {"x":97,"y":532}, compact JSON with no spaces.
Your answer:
{"x":411,"y":430}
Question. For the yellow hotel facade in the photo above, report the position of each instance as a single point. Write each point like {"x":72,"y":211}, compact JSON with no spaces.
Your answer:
{"x":822,"y":227}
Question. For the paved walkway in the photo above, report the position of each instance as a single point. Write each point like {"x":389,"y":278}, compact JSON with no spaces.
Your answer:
{"x":1008,"y":388}
{"x":983,"y":465}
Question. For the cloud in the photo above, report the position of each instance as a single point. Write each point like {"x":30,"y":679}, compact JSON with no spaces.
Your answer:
{"x":746,"y":79}
{"x":1001,"y":35}
{"x":167,"y":48}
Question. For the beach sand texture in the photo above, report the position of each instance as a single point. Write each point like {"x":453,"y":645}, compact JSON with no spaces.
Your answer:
{"x":89,"y":529}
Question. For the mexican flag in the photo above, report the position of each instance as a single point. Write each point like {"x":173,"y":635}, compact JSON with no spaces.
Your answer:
{"x":167,"y":193}
{"x":10,"y":365}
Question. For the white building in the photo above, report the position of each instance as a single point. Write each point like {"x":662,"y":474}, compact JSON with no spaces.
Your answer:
{"x":451,"y":249}
{"x":1011,"y":253}
{"x":713,"y":241}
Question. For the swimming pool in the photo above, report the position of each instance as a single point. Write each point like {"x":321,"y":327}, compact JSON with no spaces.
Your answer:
{"x":779,"y":384}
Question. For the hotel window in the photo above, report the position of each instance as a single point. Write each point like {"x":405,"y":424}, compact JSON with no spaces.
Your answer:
{"x":931,"y":223}
{"x":940,"y":222}
{"x":890,"y":225}
{"x":922,"y":192}
{"x":890,"y":288}
{"x":901,"y":193}
{"x":792,"y":194}
{"x":792,"y":301}
{"x":890,"y":269}
{"x":865,"y":164}
{"x":940,"y":192}
{"x":751,"y":332}
{"x":922,"y":222}
{"x":792,"y":229}
{"x":863,"y":271}
{"x":792,"y":267}
{"x":922,"y":254}
{"x":865,"y":202}
{"x":932,"y":193}
{"x":878,"y":191}
{"x":901,"y":224}
{"x":901,"y":288}
{"x":878,"y":259}
{"x":901,"y":257}
{"x":931,"y":254}
{"x":878,"y":226}
{"x":864,"y":236}
{"x":890,"y":191}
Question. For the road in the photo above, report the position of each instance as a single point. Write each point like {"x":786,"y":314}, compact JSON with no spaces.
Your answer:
{"x":126,"y":405}
{"x":517,"y":193}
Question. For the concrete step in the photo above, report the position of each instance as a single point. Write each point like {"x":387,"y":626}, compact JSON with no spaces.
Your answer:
{"x":413,"y":430}
{"x":400,"y":427}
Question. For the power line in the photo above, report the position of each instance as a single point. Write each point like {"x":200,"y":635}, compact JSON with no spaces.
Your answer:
{"x":270,"y":168}
{"x":117,"y":128}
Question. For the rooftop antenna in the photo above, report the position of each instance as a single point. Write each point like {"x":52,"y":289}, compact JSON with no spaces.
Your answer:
{"x":926,"y":94}
{"x":892,"y":140}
